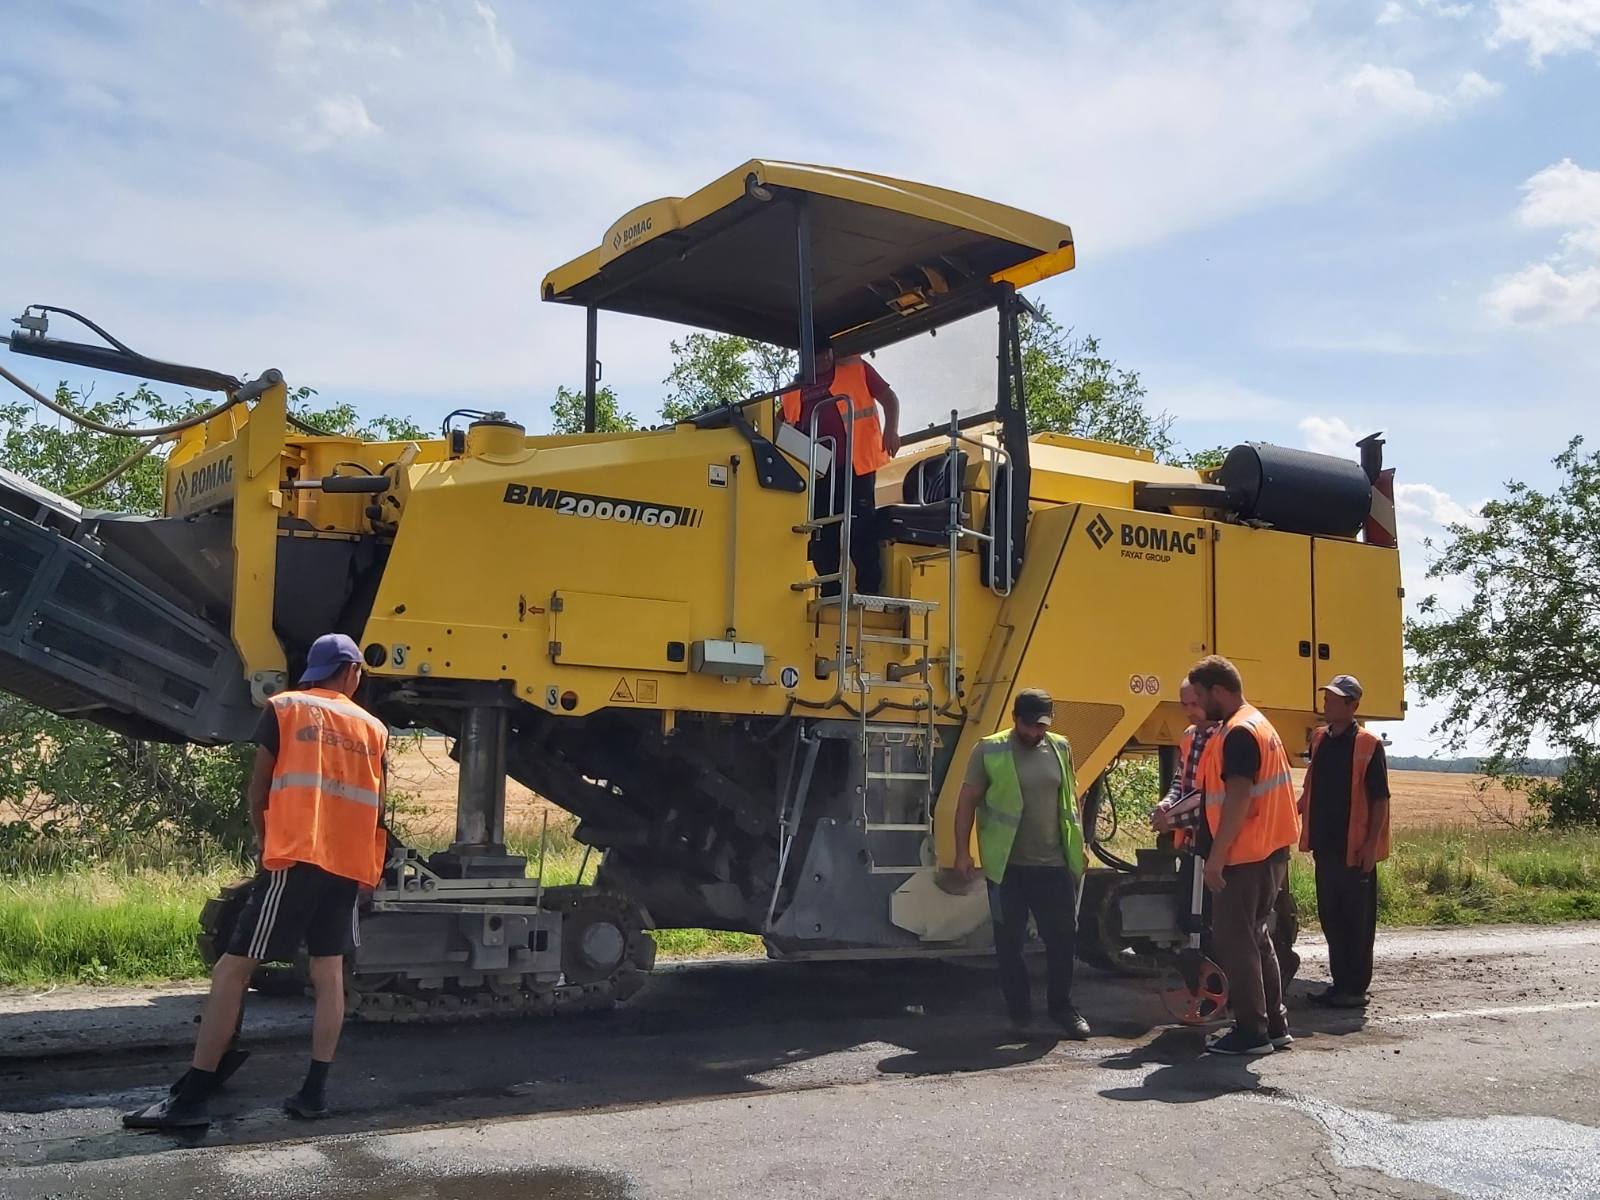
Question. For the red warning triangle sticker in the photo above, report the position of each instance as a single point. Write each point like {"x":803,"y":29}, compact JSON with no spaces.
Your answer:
{"x":621,"y":693}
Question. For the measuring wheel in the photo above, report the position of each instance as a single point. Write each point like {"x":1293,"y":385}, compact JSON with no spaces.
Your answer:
{"x":1196,"y":993}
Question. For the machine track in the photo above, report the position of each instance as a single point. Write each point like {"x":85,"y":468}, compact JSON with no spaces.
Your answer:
{"x":592,"y":919}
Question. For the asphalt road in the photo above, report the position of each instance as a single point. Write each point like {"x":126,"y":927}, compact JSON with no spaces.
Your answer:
{"x":1476,"y":1073}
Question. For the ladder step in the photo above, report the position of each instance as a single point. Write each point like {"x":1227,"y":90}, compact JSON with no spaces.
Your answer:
{"x":887,"y":640}
{"x":890,"y":827}
{"x":877,"y":870}
{"x":885,"y":603}
{"x":924,"y":776}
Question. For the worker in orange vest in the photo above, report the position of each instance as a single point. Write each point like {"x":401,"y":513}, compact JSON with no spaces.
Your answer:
{"x":847,"y":390}
{"x":1251,"y":813}
{"x":1344,"y":812}
{"x":316,"y":795}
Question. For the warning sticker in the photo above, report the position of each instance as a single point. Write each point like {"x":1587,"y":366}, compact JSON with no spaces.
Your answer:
{"x":1136,"y":684}
{"x":645,"y":689}
{"x":1152,"y":685}
{"x":790,"y":677}
{"x":1144,"y":685}
{"x":621,"y":694}
{"x":1164,"y":733}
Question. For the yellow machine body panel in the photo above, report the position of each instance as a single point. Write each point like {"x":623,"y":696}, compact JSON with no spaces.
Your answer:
{"x":1358,"y":622}
{"x":1112,"y":609}
{"x":1263,"y":604}
{"x":597,"y":630}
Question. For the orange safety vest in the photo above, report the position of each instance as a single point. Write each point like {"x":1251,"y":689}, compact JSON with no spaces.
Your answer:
{"x":1273,"y":822}
{"x":327,"y":786}
{"x":1367,"y":744}
{"x":855,"y":405}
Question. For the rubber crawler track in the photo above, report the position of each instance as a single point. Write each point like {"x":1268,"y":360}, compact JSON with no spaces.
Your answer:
{"x":376,"y":999}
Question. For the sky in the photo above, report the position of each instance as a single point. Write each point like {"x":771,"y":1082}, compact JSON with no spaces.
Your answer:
{"x":1299,"y":223}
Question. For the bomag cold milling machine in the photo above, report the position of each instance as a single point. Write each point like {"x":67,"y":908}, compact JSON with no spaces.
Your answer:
{"x":630,"y":625}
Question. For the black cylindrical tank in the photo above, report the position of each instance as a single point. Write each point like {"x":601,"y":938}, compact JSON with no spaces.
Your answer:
{"x":1295,"y":490}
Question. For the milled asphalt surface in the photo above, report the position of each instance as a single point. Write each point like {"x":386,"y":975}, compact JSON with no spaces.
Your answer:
{"x":1476,"y":1073}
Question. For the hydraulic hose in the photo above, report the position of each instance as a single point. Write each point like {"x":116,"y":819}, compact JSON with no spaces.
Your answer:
{"x":121,"y":468}
{"x":89,"y":422}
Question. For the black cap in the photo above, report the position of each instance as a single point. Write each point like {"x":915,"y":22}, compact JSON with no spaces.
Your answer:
{"x":1033,"y":706}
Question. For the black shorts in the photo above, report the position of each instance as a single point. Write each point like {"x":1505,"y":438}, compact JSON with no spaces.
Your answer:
{"x":299,"y":904}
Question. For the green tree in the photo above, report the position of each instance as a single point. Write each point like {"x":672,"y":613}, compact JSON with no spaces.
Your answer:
{"x":1520,"y":659}
{"x":344,"y":420}
{"x":1071,"y":387}
{"x":77,"y":787}
{"x":567,"y":410}
{"x":712,"y":370}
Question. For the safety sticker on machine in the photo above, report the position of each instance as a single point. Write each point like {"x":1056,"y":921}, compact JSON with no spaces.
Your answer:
{"x":790,"y":677}
{"x":621,"y":694}
{"x":645,"y":689}
{"x":1144,"y":685}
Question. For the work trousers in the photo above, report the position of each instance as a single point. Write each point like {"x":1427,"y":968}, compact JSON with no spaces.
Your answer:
{"x":1242,"y":915}
{"x":1050,"y":894}
{"x":839,"y":486}
{"x":1347,"y":906}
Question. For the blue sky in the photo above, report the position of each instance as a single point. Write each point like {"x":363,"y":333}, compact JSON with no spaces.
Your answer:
{"x":1299,"y":222}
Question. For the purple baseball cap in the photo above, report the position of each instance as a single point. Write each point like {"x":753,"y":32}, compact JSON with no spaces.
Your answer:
{"x":329,"y":655}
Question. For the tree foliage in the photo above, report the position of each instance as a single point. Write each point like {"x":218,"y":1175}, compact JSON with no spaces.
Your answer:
{"x":711,"y":370}
{"x":566,"y":412}
{"x":1071,"y":387}
{"x":1520,"y":659}
{"x":78,"y":788}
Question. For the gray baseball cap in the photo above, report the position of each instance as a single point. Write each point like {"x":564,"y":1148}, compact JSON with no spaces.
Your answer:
{"x":1033,"y":706}
{"x":1347,"y":686}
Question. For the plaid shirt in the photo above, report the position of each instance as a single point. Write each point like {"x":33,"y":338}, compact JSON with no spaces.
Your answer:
{"x":1184,"y":783}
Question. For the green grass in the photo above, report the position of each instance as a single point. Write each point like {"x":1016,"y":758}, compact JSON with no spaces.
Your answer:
{"x":104,"y":924}
{"x":1469,"y":877}
{"x":133,"y":921}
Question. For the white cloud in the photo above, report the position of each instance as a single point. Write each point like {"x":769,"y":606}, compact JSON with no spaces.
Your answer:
{"x":336,"y":119}
{"x":1330,"y":435}
{"x":1566,"y":289}
{"x":500,"y":48}
{"x":1548,"y":27}
{"x":1542,"y":295}
{"x":1434,"y":508}
{"x":1393,"y":13}
{"x":1396,"y":90}
{"x":1565,"y":196}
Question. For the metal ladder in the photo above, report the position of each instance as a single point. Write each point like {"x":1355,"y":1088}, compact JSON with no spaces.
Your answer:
{"x":903,"y":798}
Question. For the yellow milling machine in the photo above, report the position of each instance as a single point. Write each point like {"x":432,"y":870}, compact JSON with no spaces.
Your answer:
{"x":629,"y":623}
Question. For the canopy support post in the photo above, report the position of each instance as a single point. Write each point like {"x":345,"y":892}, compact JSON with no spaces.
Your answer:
{"x":591,"y":369}
{"x":807,"y":333}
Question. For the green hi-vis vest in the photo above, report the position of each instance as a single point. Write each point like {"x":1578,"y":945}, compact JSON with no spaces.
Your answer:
{"x":1001,"y":810}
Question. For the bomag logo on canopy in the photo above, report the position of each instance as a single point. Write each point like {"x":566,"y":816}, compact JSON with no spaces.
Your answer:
{"x":631,"y":233}
{"x":1146,"y":543}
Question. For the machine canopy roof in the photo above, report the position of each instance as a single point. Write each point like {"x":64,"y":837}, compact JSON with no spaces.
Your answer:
{"x":889,"y":258}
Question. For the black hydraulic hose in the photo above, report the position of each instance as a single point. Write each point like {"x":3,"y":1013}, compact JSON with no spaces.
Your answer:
{"x":87,"y":324}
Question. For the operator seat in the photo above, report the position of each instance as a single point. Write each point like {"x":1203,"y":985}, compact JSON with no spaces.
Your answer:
{"x":924,"y":517}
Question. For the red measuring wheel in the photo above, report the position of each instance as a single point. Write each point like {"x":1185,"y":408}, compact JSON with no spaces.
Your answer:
{"x":1202,"y":1003}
